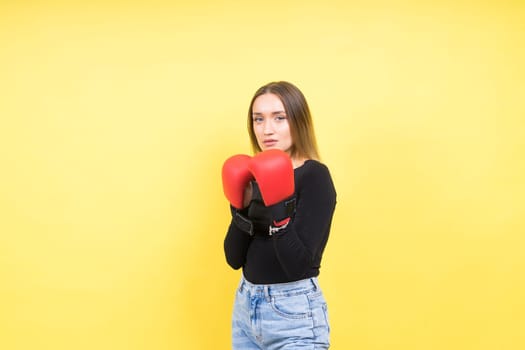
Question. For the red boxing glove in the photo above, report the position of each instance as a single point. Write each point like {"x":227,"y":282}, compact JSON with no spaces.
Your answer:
{"x":273,"y":171}
{"x":235,"y":177}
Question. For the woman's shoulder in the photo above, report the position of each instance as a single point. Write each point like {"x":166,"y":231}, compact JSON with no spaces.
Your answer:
{"x":313,"y":165}
{"x":313,"y":168}
{"x":314,"y":174}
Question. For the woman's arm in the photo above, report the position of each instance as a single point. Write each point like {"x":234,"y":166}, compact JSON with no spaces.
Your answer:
{"x":236,"y":245}
{"x":301,"y":244}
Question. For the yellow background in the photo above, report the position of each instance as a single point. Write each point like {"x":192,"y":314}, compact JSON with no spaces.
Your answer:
{"x":116,"y":118}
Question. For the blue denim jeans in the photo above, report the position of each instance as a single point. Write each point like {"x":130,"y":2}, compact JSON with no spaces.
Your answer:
{"x":280,"y":316}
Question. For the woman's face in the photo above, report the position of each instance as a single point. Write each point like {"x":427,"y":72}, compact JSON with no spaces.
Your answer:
{"x":270,"y":123}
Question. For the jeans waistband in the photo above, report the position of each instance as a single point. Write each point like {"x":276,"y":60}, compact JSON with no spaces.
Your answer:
{"x":280,"y":289}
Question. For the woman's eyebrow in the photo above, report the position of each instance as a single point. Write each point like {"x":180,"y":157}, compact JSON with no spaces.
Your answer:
{"x":276,"y":112}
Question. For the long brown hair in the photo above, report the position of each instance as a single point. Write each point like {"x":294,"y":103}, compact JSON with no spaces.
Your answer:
{"x":304,"y":144}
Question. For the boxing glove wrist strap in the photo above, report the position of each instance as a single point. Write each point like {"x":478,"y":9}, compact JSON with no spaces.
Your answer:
{"x":247,"y":226}
{"x":278,"y":226}
{"x":241,"y":221}
{"x":282,"y":214}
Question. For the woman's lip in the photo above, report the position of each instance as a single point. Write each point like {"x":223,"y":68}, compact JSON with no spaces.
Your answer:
{"x":269,"y":142}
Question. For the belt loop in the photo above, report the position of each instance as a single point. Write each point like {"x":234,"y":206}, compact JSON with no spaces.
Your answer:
{"x":241,"y":284}
{"x":315,"y":282}
{"x":267,"y":293}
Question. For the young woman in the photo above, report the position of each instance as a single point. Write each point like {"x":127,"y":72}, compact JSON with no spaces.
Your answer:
{"x":282,"y":202}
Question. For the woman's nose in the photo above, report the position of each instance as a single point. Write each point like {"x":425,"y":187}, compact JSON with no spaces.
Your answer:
{"x":268,"y":128}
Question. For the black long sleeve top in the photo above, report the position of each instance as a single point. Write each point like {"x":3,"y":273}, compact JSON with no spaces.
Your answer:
{"x":295,"y":252}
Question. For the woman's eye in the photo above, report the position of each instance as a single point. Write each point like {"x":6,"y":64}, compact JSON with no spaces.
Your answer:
{"x":257,"y":120}
{"x":280,"y":117}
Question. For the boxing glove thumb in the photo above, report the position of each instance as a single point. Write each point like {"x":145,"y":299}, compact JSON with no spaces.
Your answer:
{"x":273,"y":171}
{"x":235,"y":177}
